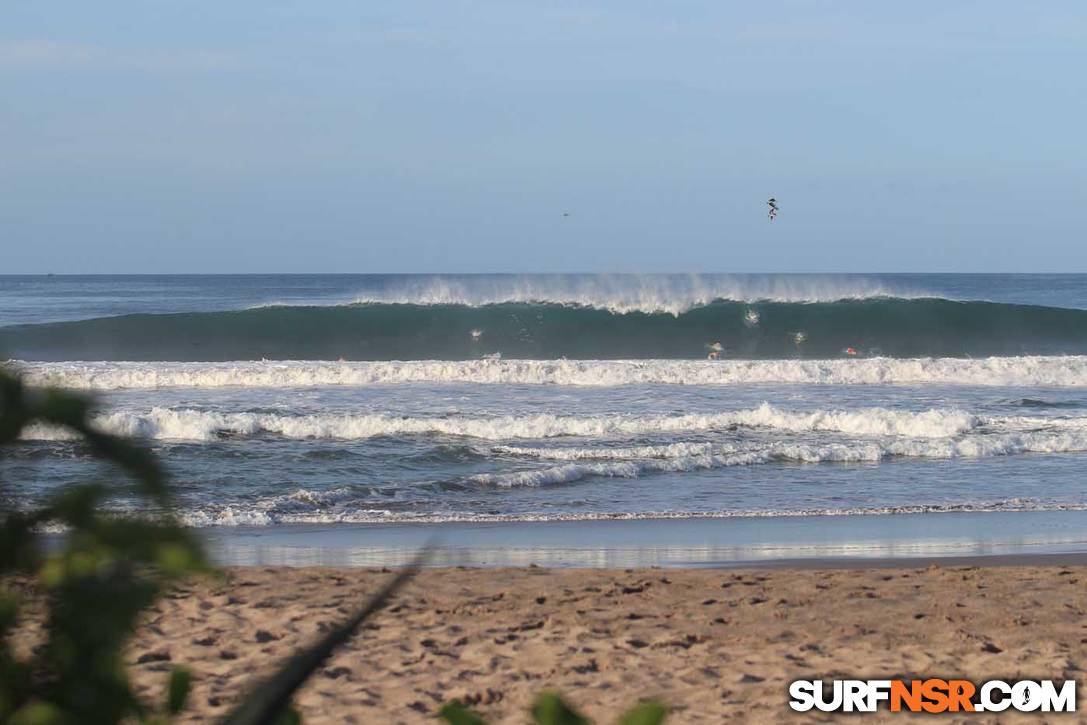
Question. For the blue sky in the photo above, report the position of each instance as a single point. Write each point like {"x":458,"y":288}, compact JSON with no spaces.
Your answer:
{"x":409,"y":136}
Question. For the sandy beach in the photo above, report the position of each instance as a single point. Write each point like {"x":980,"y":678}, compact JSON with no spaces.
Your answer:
{"x":712,"y":643}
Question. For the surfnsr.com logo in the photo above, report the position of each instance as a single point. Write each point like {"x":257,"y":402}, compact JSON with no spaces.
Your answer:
{"x":932,"y":695}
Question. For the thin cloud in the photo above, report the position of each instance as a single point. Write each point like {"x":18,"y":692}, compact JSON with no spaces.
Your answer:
{"x":51,"y":55}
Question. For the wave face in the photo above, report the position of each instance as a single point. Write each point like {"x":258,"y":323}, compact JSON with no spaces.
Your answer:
{"x":892,"y":327}
{"x":1058,"y":371}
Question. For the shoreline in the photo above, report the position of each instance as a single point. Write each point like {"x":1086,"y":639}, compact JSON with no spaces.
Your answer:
{"x":822,"y":541}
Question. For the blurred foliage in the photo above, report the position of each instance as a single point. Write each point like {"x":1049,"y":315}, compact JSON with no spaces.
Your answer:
{"x":551,"y":709}
{"x":94,"y":578}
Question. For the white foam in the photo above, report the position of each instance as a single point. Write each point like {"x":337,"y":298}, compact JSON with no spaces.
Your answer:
{"x":570,"y":472}
{"x":267,"y":513}
{"x":1058,"y":371}
{"x":201,"y":425}
{"x":671,"y":450}
{"x":673,"y":459}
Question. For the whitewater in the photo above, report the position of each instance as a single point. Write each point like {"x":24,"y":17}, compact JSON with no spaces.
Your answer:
{"x":553,"y":397}
{"x":1067,"y":371}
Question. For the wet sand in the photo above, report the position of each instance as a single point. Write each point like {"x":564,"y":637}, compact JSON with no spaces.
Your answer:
{"x":677,"y":542}
{"x":712,"y":643}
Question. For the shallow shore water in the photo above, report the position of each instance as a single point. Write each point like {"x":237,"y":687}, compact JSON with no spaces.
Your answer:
{"x":681,"y":542}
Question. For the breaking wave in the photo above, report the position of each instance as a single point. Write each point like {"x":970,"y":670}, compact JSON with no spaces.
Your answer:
{"x":869,"y":326}
{"x":1058,"y":371}
{"x":853,"y":452}
{"x":186,"y":424}
{"x":201,"y":425}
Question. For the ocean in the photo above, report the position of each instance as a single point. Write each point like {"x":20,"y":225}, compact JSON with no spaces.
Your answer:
{"x":280,"y":400}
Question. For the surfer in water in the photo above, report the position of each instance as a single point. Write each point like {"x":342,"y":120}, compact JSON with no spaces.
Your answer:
{"x":773,"y":211}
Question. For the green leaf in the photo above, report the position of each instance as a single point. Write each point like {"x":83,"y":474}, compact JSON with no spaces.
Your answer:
{"x":649,"y":712}
{"x":178,"y":689}
{"x":455,"y":713}
{"x":175,"y":559}
{"x":287,"y":716}
{"x":9,"y":610}
{"x":550,"y":709}
{"x":37,"y":713}
{"x":13,"y":414}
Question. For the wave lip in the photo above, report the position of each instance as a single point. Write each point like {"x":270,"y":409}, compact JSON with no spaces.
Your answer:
{"x":1030,"y":371}
{"x":671,"y":294}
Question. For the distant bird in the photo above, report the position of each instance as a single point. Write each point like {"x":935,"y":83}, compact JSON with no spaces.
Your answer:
{"x":566,"y":213}
{"x":773,"y":211}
